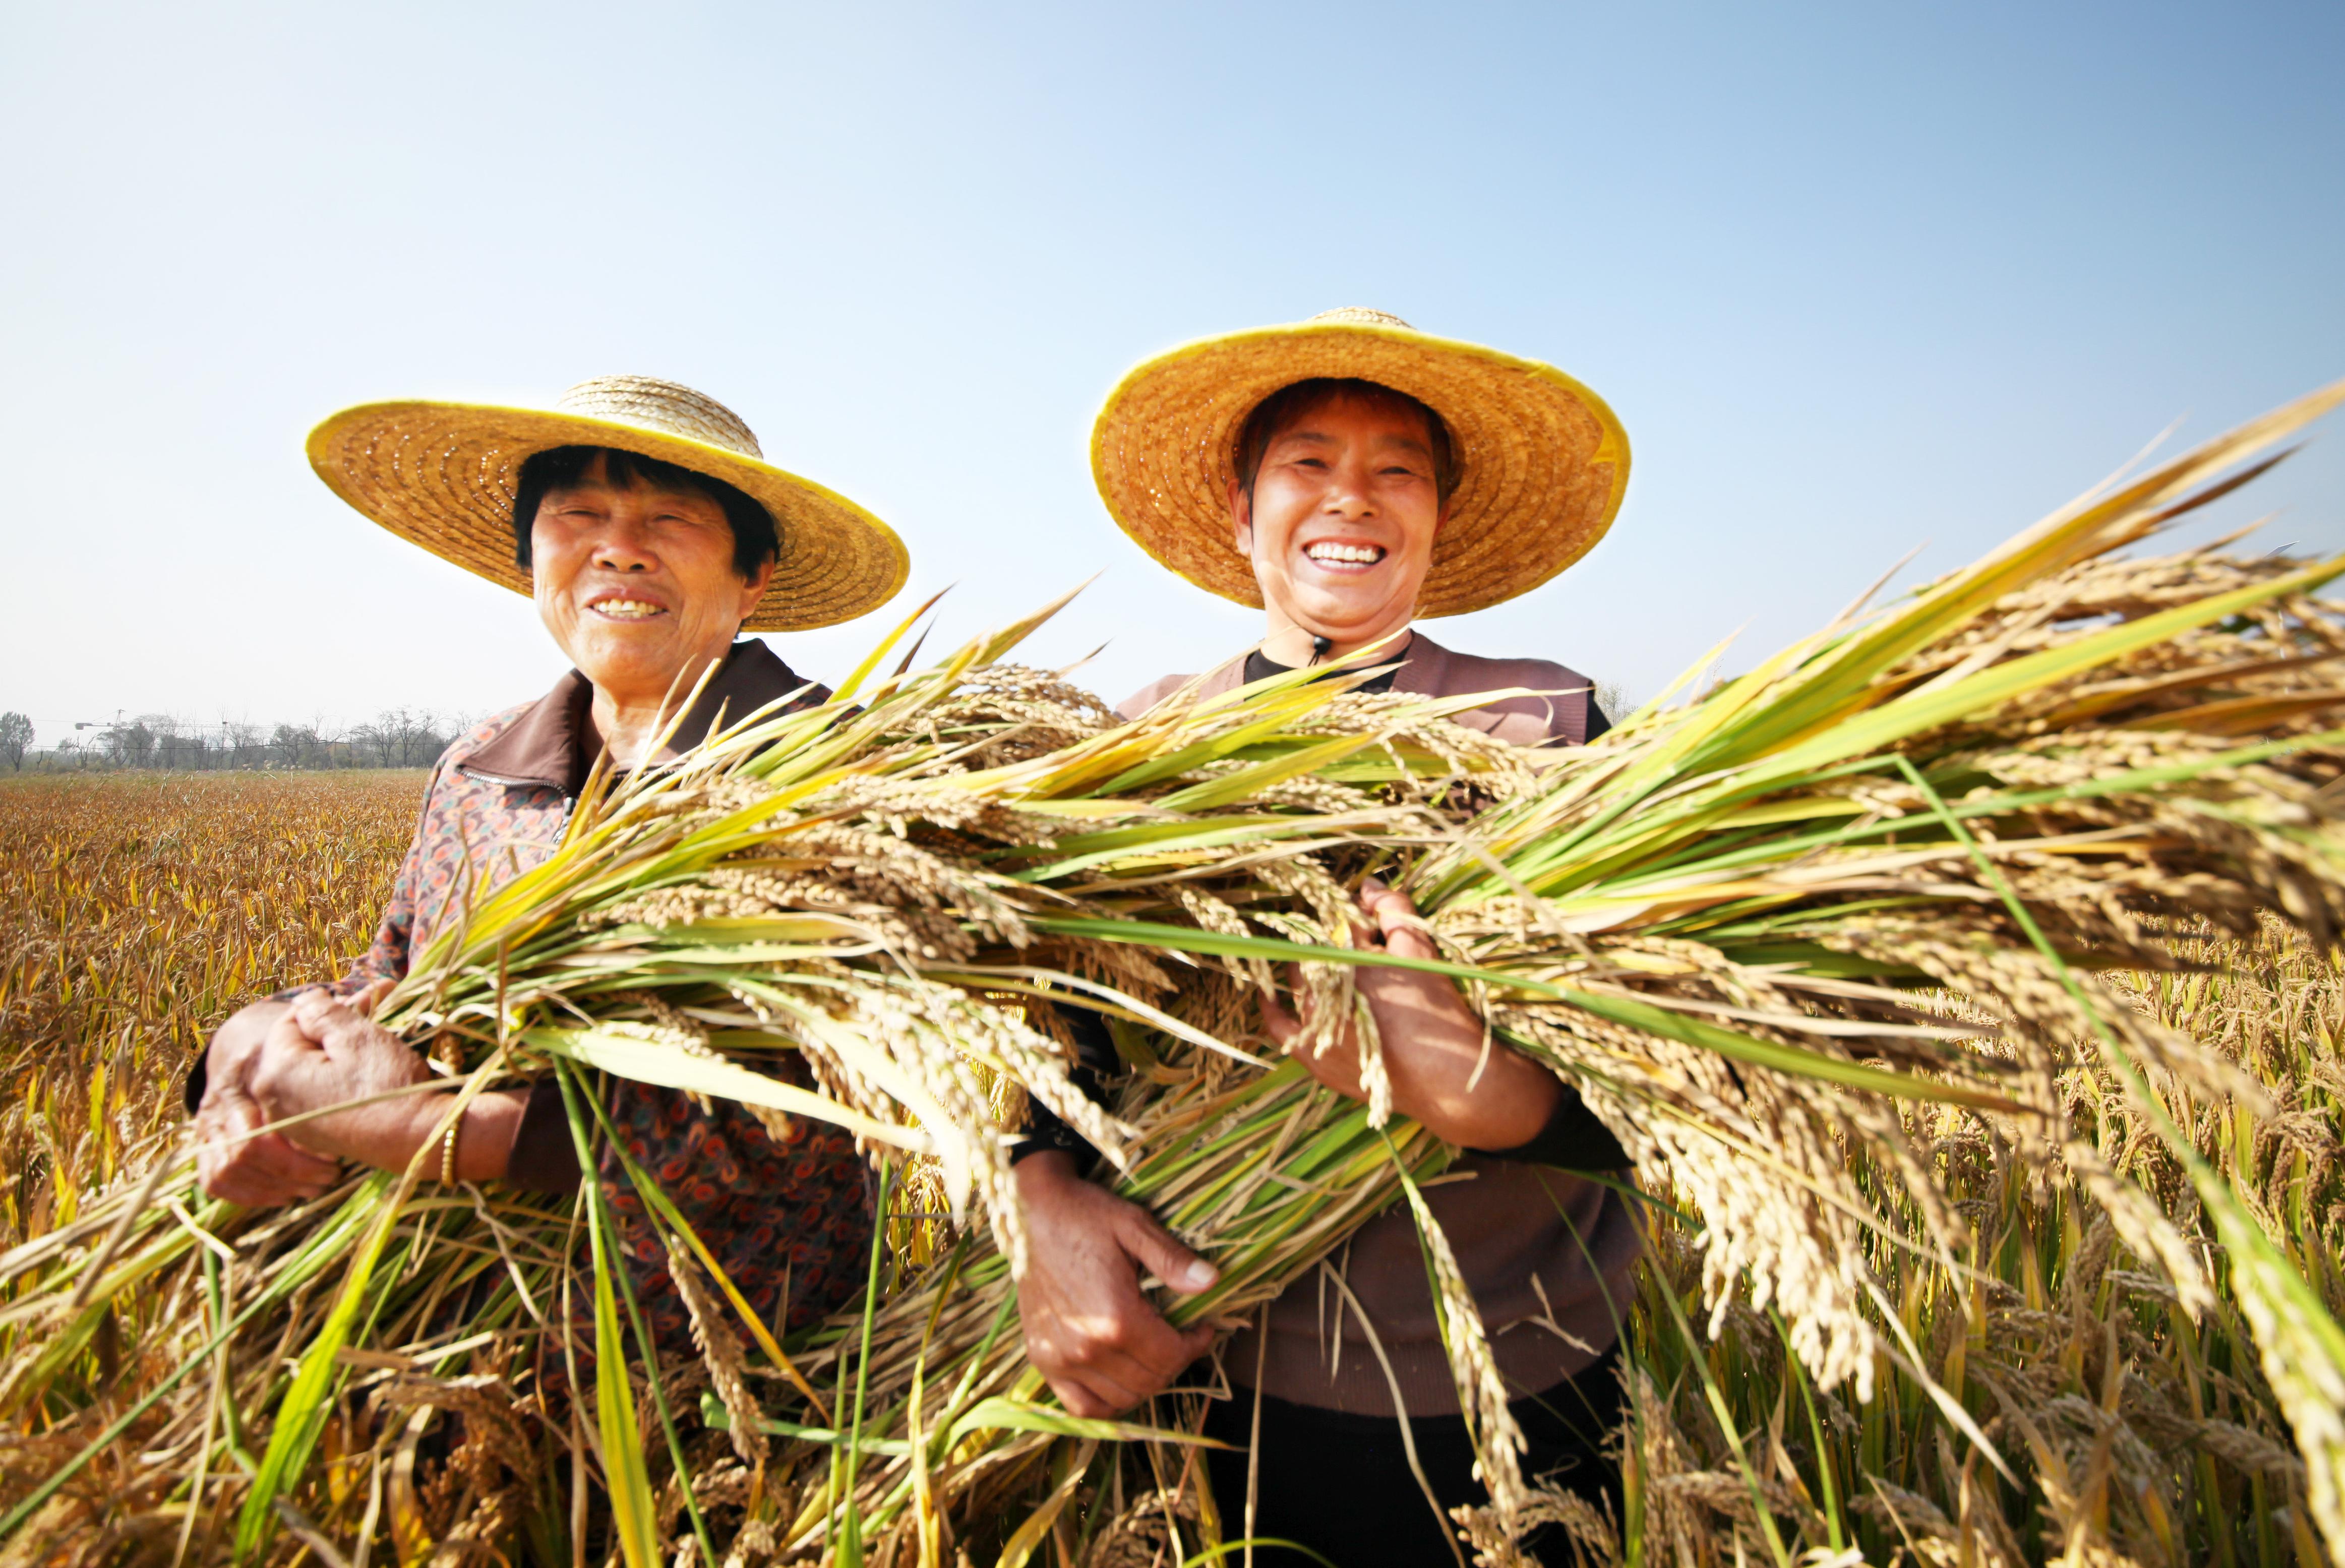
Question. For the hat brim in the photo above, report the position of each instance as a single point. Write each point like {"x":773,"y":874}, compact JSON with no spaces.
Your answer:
{"x":441,"y":475}
{"x":1543,"y":462}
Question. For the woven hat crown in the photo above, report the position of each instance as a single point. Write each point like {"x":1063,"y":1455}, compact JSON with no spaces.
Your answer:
{"x":1358,"y":316}
{"x":661,"y":405}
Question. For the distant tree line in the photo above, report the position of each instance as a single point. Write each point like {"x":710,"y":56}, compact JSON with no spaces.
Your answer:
{"x":395,"y":738}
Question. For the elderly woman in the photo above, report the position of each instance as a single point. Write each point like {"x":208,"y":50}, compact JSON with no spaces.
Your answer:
{"x":1349,"y":476}
{"x":643,"y":520}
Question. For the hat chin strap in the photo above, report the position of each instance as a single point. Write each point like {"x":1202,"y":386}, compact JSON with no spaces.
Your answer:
{"x":1320,"y":648}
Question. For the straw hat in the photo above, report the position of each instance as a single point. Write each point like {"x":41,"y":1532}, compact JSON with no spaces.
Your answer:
{"x":442,"y":475}
{"x":1542,"y":461}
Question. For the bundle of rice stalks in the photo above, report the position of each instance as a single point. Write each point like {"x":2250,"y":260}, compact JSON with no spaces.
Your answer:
{"x":1712,"y":923}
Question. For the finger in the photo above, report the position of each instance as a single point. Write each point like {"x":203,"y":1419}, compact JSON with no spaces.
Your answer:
{"x":1079,"y":1400}
{"x":251,"y":1192}
{"x":234,"y":1140}
{"x":1121,"y":1379}
{"x":321,"y":1013}
{"x":343,"y":1030}
{"x":1410,"y":941}
{"x":1402,"y":927}
{"x":1087,"y":1368}
{"x":315,"y":1002}
{"x":1282,"y":1024}
{"x":291,"y":1034}
{"x":366,"y":1001}
{"x":272,"y":1157}
{"x":286,"y":1160}
{"x":259,"y":1176}
{"x":1155,"y":1249}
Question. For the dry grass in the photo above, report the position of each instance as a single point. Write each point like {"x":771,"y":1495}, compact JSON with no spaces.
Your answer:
{"x":140,"y":911}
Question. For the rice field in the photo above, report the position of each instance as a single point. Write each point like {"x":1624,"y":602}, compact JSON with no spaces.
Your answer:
{"x":140,"y":910}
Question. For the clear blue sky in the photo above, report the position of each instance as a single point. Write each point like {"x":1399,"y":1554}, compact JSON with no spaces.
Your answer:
{"x":1855,"y":277}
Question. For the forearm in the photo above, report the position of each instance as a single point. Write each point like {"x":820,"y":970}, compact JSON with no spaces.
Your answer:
{"x":1447,"y":1086}
{"x":1095,"y":1060}
{"x":484,"y":1142}
{"x":1043,"y":1169}
{"x":1448,"y":1075}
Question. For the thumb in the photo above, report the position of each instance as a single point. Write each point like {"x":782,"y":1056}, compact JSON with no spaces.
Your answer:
{"x":1152,"y":1247}
{"x":365,"y":1002}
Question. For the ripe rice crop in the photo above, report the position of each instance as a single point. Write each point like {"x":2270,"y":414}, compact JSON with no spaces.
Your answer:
{"x":142,"y":909}
{"x":2135,"y":1432}
{"x":288,"y":874}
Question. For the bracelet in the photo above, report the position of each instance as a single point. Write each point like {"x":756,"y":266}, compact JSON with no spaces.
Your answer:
{"x":448,"y":1152}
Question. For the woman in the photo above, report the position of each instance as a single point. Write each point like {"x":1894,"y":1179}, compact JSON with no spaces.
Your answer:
{"x":1349,"y":476}
{"x":643,"y":520}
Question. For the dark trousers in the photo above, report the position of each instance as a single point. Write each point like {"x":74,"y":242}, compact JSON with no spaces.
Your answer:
{"x":1341,"y":1485}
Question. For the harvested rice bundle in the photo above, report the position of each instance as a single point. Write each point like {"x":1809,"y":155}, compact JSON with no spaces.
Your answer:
{"x":1707,"y":922}
{"x":1711,"y":921}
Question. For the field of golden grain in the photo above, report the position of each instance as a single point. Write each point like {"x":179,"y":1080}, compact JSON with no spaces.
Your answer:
{"x":140,"y":910}
{"x":143,"y":908}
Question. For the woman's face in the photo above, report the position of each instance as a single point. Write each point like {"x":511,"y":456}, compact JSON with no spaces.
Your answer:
{"x":1341,"y":524}
{"x":637,"y":584}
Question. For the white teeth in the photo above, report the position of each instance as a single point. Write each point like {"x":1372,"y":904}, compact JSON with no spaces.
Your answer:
{"x":1328,"y":550}
{"x":626,"y":609}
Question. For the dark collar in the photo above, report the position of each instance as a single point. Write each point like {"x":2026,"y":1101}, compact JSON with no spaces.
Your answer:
{"x":547,"y":744}
{"x":1259,"y":667}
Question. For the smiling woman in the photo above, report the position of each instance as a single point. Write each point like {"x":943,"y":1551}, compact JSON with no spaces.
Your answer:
{"x":1352,"y":475}
{"x":645,"y":523}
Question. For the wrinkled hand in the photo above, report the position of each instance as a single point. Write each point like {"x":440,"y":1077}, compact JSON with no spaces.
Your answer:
{"x":1446,"y":1072}
{"x":1101,"y":1344}
{"x":235,"y":1160}
{"x":326,"y":1053}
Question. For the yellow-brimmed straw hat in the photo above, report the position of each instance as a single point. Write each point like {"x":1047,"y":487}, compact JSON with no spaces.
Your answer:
{"x":1542,"y":461}
{"x":442,"y":475}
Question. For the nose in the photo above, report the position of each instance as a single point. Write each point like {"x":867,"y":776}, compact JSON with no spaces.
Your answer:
{"x":1347,"y":493}
{"x":620,"y":547}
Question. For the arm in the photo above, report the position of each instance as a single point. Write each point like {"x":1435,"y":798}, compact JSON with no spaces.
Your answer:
{"x":279,"y":1060}
{"x":1446,"y":1073}
{"x":324,"y":1053}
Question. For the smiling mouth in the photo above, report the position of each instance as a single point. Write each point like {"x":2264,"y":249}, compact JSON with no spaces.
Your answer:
{"x":1331,"y":552}
{"x":628,"y":609}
